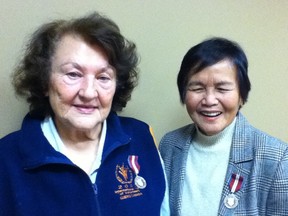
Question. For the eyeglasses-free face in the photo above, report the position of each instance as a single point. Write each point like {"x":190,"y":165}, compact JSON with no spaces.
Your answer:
{"x":212,"y":98}
{"x":82,"y":86}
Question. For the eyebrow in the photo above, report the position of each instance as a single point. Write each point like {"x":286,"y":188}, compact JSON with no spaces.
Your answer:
{"x":194,"y":83}
{"x":79,"y":67}
{"x":74,"y":64}
{"x":227,"y":83}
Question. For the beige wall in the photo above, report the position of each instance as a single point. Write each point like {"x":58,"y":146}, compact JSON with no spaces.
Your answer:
{"x":163,"y":31}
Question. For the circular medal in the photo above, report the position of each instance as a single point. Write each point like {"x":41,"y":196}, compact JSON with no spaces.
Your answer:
{"x":231,"y":201}
{"x":140,"y":182}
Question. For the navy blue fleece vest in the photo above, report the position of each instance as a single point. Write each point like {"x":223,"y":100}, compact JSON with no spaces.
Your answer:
{"x":37,"y":180}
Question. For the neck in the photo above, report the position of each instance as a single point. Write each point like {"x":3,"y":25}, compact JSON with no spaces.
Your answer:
{"x":81,"y":147}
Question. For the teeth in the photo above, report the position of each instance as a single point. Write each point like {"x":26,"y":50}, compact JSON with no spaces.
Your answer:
{"x":211,"y":114}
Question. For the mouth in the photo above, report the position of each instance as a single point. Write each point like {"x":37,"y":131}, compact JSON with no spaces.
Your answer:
{"x":210,"y":114}
{"x":86,"y":109}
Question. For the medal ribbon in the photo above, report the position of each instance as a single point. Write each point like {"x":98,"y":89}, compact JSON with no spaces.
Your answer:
{"x":235,"y":183}
{"x":133,"y":163}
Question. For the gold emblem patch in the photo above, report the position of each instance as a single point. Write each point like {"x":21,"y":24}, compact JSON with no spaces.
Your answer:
{"x":126,"y":189}
{"x":123,"y":174}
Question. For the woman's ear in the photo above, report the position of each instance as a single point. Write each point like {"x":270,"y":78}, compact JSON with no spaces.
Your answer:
{"x":240,"y":103}
{"x":46,"y":94}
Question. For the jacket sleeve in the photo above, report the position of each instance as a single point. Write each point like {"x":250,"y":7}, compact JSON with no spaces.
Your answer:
{"x":277,"y":202}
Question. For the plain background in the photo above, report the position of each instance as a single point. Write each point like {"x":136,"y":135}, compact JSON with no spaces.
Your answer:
{"x":163,"y":31}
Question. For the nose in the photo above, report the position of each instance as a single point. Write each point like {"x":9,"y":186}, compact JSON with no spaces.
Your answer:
{"x":88,"y":88}
{"x":210,"y":98}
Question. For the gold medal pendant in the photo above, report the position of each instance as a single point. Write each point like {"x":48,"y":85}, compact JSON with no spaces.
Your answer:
{"x":140,"y":182}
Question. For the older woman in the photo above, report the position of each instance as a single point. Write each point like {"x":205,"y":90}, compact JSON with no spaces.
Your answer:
{"x":73,"y":154}
{"x":220,"y":164}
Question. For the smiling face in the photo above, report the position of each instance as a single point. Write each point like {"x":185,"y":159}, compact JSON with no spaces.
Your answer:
{"x":82,"y":85}
{"x":212,"y":98}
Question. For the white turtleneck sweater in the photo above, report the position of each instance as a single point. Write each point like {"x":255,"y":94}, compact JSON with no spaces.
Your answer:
{"x":206,"y":167}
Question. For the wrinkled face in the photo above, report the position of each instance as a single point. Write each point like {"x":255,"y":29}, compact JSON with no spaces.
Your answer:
{"x":82,"y":85}
{"x":213,"y":99}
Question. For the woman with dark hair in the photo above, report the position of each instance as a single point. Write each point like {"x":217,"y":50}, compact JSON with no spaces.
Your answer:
{"x":73,"y":154}
{"x":220,"y":164}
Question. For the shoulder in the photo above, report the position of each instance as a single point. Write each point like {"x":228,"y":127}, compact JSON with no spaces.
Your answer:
{"x":132,"y":122}
{"x":126,"y":123}
{"x":262,"y":142}
{"x":8,"y":141}
{"x":10,"y":156}
{"x":120,"y":126}
{"x":175,"y":140}
{"x":29,"y":132}
{"x":260,"y":137}
{"x":271,"y":157}
{"x":182,"y":133}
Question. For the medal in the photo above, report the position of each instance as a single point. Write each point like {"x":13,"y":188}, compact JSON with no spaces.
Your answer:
{"x":139,"y":181}
{"x":231,"y":201}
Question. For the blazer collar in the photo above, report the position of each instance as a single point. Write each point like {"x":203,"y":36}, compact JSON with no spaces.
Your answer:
{"x":242,"y":147}
{"x":240,"y":163}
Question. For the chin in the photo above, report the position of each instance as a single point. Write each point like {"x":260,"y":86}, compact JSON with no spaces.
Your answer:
{"x":211,"y":132}
{"x":85,"y":125}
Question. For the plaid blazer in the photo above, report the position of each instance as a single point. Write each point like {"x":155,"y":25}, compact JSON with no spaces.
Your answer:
{"x":261,"y":160}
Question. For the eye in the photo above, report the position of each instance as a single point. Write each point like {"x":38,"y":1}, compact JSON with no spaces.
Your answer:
{"x":196,"y":89}
{"x":73,"y":75}
{"x":106,"y":75}
{"x":104,"y":78}
{"x":223,"y":89}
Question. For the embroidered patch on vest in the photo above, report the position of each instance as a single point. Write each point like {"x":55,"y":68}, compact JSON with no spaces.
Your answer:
{"x":126,"y":189}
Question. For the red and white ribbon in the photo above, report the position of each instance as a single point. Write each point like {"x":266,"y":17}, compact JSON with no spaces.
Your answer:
{"x":235,"y":183}
{"x":133,"y":163}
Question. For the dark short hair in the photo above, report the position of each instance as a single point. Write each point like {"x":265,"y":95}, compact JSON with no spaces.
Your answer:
{"x":208,"y":53}
{"x":31,"y":76}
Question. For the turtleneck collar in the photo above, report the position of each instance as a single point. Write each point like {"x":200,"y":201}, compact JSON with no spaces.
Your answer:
{"x":206,"y":141}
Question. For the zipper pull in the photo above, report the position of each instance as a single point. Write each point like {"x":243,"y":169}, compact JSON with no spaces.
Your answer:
{"x":94,"y":186}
